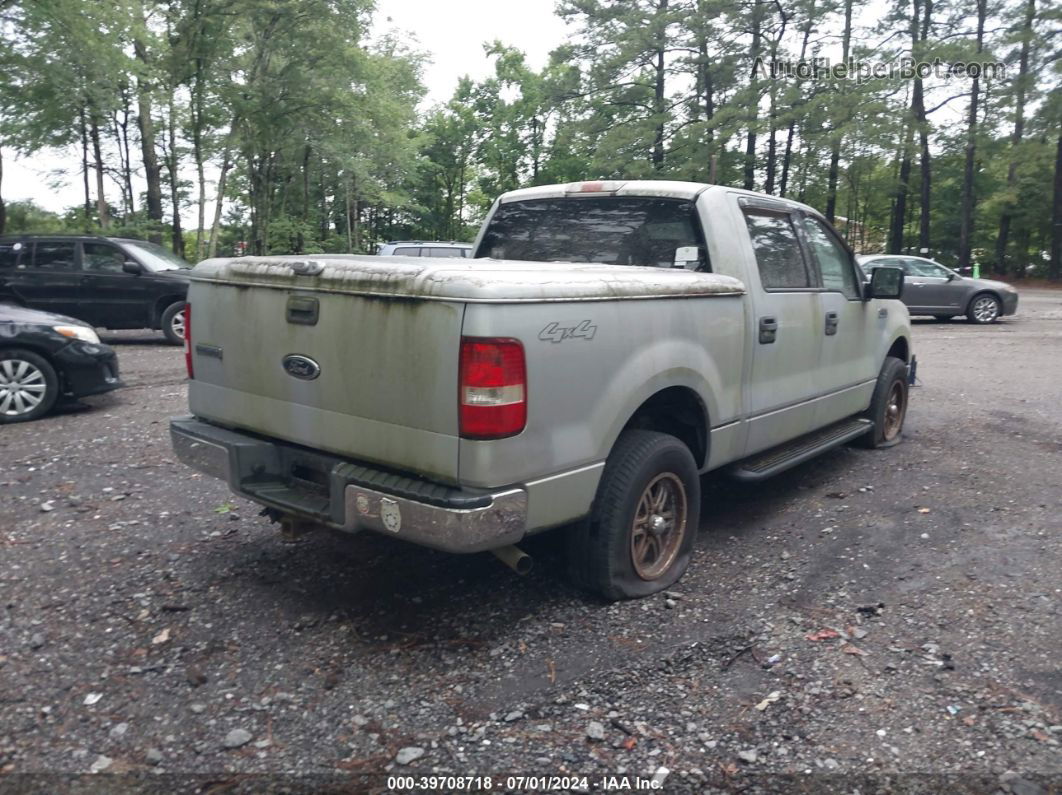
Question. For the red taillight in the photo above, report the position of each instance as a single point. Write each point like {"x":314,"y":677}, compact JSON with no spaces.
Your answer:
{"x":188,"y":340}
{"x":493,"y":388}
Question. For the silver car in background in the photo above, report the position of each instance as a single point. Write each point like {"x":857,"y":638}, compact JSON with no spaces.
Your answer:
{"x":424,"y":248}
{"x":932,"y":289}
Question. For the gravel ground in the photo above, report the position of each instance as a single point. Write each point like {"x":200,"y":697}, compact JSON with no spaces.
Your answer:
{"x":872,"y":619}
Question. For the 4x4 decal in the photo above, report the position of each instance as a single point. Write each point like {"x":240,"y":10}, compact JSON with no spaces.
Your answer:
{"x":555,"y":332}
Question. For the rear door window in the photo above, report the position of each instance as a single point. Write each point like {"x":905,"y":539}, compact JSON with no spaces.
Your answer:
{"x":9,"y":254}
{"x":778,"y":255}
{"x":102,"y":258}
{"x":446,"y":252}
{"x":407,"y":251}
{"x":54,"y":255}
{"x":835,"y":265}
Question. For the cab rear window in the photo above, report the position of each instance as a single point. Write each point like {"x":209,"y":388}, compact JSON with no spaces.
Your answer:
{"x":608,"y":230}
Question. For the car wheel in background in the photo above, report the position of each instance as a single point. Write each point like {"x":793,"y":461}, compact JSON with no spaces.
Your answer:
{"x":640,"y":532}
{"x":984,"y":308}
{"x":888,"y":406}
{"x":29,"y":386}
{"x":173,"y":323}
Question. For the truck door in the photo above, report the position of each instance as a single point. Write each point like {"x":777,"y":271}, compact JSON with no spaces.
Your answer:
{"x":48,"y":278}
{"x":932,"y":287}
{"x":847,"y":325}
{"x":785,"y":349}
{"x":111,"y":297}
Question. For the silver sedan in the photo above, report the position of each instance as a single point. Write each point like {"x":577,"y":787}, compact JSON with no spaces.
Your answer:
{"x":931,"y":289}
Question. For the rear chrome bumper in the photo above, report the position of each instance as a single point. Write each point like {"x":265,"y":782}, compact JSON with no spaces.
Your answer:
{"x":350,"y":496}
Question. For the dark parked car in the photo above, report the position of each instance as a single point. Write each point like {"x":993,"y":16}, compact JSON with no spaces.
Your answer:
{"x":424,"y":248}
{"x":109,"y":282}
{"x":932,"y":289}
{"x":45,"y":358}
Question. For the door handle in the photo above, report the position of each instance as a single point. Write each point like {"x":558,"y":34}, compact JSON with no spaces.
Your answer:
{"x":831,"y":323}
{"x":768,"y":330}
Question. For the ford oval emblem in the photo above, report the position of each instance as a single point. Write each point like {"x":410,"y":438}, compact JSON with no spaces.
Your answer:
{"x":298,"y":366}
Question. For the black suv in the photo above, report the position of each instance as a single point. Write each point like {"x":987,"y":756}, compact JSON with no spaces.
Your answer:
{"x":109,"y":282}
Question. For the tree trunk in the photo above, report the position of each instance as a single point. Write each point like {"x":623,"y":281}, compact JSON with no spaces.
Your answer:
{"x":658,"y":91}
{"x":1000,"y":265}
{"x":148,"y":152}
{"x":197,"y":148}
{"x":899,"y":207}
{"x":835,"y":144}
{"x":754,"y":89}
{"x":1054,"y":269}
{"x":918,"y":110}
{"x":772,"y":149}
{"x":172,"y":165}
{"x":3,"y":209}
{"x":787,"y":157}
{"x":101,"y":199}
{"x":85,"y":166}
{"x":219,"y":201}
{"x":350,"y":231}
{"x":967,"y":205}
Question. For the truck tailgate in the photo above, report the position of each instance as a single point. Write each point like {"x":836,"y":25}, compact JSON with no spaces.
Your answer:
{"x":380,"y":386}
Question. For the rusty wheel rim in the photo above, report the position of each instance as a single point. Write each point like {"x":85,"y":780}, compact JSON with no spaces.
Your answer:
{"x":895,"y":409}
{"x":659,"y":526}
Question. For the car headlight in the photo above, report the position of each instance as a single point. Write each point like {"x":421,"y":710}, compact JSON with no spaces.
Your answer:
{"x":78,"y":333}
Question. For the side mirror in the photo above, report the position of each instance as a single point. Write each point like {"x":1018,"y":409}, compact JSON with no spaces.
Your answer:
{"x":951,"y":277}
{"x":133,"y":267}
{"x":885,"y":283}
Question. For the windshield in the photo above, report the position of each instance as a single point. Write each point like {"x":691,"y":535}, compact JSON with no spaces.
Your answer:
{"x":154,"y":257}
{"x":607,"y":230}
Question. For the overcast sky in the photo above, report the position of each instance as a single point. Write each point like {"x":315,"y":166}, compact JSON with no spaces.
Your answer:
{"x":452,"y":32}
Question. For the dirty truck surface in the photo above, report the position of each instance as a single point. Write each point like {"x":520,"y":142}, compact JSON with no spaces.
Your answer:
{"x":867,"y":617}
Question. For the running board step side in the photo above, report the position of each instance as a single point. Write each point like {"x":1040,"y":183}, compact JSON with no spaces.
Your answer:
{"x":778,"y":459}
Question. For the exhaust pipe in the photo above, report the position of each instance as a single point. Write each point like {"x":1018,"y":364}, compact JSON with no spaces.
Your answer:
{"x":515,"y":558}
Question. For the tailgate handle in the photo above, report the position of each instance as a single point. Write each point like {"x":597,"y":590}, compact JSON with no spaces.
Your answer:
{"x":303,"y":311}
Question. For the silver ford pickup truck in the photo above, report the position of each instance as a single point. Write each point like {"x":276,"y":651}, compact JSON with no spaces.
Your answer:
{"x":608,"y":343}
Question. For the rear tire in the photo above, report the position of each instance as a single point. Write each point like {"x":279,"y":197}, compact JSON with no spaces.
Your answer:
{"x":888,"y":406}
{"x":29,"y":386}
{"x":639,"y":536}
{"x":173,"y":323}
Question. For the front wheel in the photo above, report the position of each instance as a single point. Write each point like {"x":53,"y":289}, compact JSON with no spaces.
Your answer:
{"x":29,"y":386}
{"x":640,"y":532}
{"x":173,"y":323}
{"x":984,"y":308}
{"x":888,"y":406}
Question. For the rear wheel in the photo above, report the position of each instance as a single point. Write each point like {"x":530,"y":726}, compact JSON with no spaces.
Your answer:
{"x":639,"y":535}
{"x":173,"y":323}
{"x":984,"y":308}
{"x":888,"y":406}
{"x":29,"y":386}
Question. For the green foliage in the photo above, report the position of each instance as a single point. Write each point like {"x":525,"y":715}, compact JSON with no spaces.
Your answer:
{"x":323,"y":148}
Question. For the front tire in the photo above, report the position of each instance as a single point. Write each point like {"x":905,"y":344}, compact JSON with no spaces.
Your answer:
{"x":888,"y":406}
{"x":984,"y":308}
{"x":29,"y":386}
{"x":639,"y":536}
{"x":173,"y":323}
